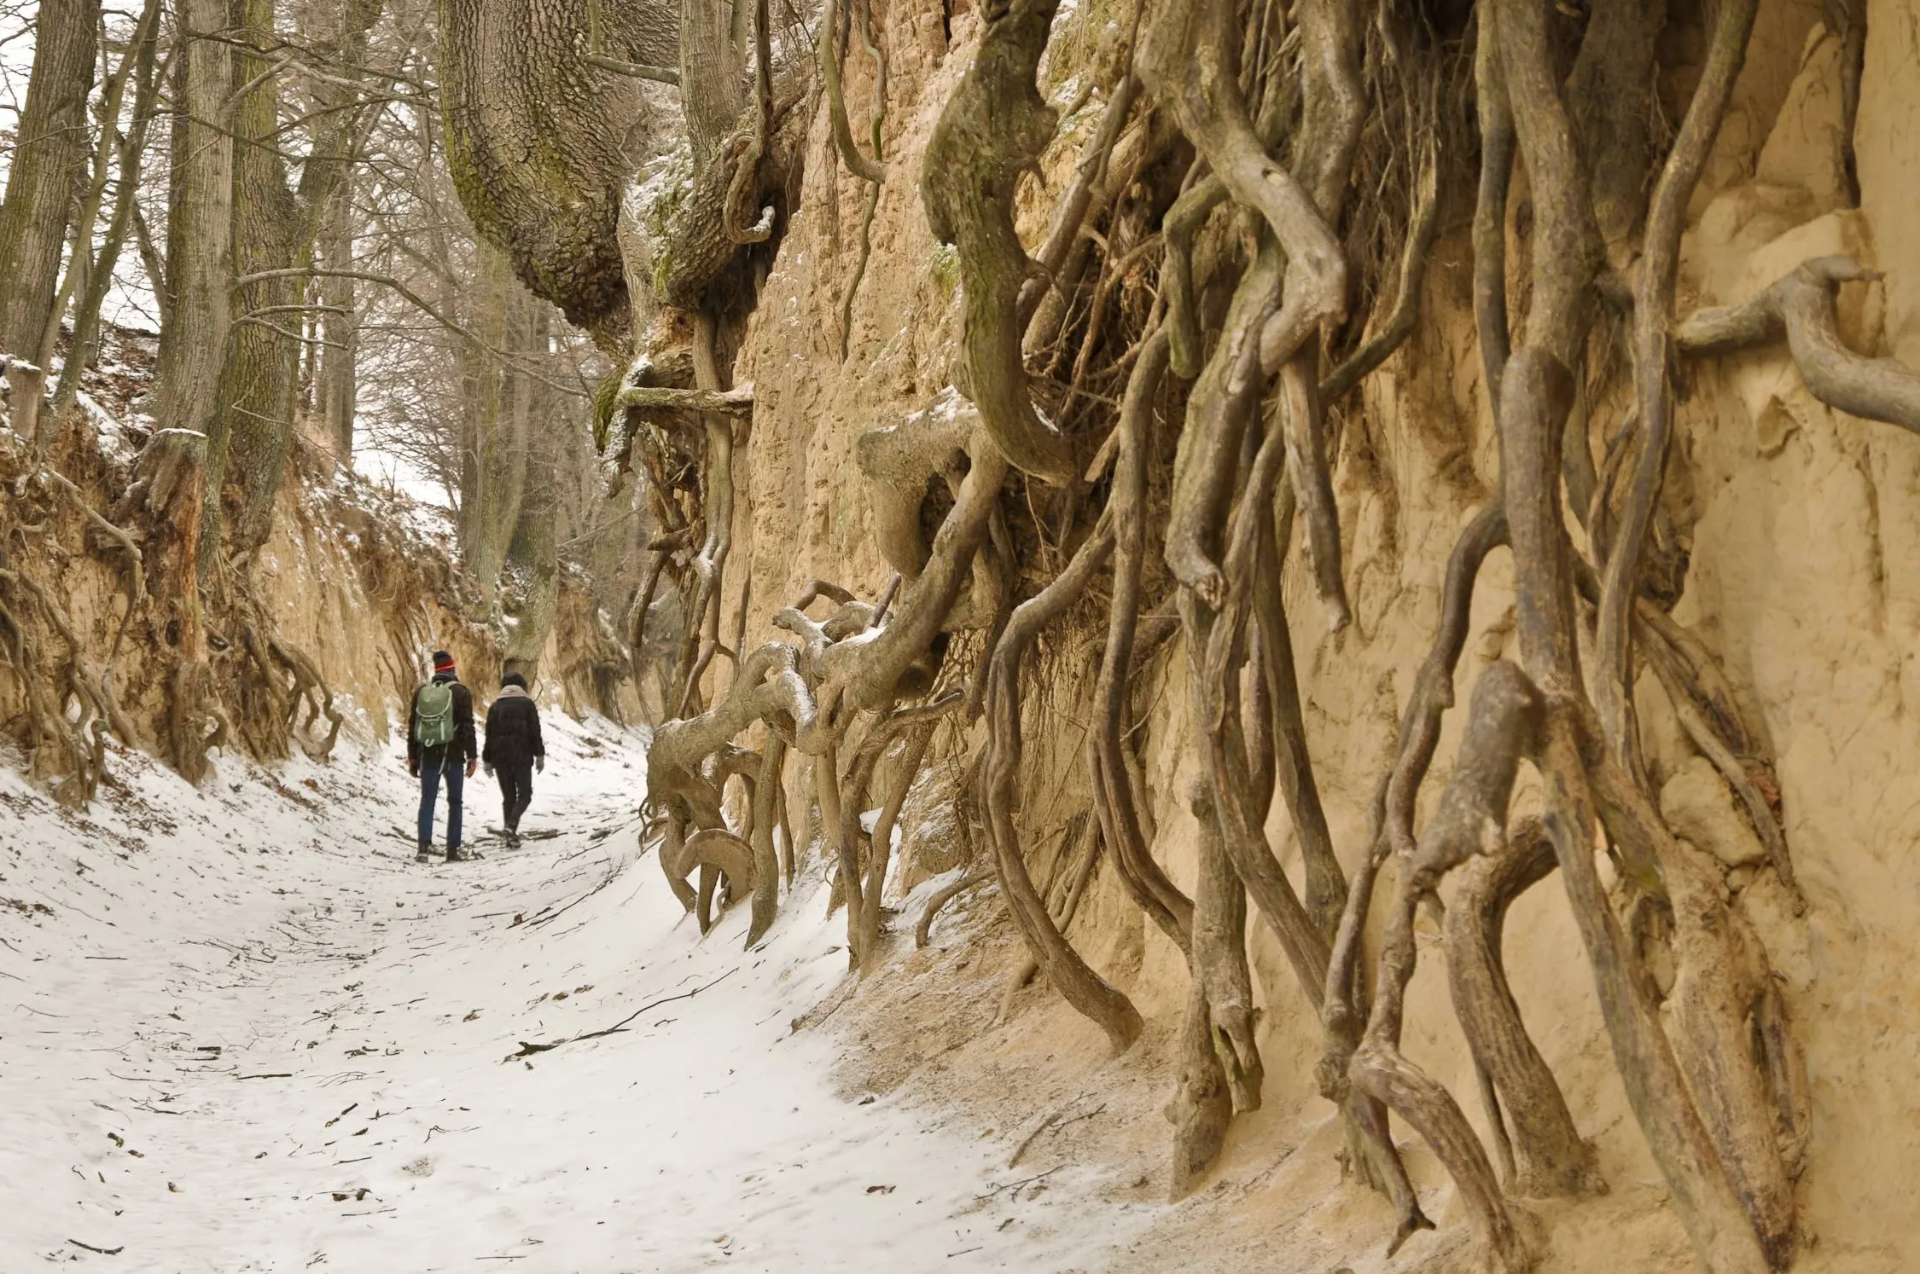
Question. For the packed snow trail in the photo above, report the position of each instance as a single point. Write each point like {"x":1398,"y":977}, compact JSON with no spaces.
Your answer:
{"x":242,"y":1030}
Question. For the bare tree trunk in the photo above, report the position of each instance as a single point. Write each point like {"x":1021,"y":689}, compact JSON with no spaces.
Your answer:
{"x":199,"y":263}
{"x":274,"y":232}
{"x":536,"y":544}
{"x":713,"y":82}
{"x":493,"y":460}
{"x":339,"y":327}
{"x":130,"y":154}
{"x":253,"y":421}
{"x":48,"y":164}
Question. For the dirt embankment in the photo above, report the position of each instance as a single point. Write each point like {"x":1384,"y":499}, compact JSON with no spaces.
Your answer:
{"x":334,"y":616}
{"x":1800,"y":525}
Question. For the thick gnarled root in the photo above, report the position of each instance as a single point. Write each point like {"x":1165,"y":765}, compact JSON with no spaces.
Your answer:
{"x":1544,"y":1156}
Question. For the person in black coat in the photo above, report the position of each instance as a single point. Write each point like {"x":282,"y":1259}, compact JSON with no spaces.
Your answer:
{"x":514,"y":750}
{"x":448,"y":757}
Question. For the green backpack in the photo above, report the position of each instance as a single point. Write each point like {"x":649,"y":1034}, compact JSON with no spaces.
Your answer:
{"x":433,"y":715}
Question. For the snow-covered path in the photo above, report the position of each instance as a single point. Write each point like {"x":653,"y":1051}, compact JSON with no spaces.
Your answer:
{"x":248,"y":1033}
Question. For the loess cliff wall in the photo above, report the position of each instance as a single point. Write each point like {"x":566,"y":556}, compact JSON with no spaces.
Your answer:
{"x":1802,"y":530}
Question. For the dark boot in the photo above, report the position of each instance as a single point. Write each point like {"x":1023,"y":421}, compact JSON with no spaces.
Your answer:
{"x":424,"y":855}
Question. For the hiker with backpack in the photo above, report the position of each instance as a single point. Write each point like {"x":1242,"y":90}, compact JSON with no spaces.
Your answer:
{"x":514,"y":750}
{"x":440,"y":745}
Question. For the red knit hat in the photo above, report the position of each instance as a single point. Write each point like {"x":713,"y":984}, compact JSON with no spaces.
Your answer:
{"x":442,"y":661}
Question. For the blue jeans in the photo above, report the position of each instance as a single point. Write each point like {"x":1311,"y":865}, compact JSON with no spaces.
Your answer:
{"x":431,"y":769}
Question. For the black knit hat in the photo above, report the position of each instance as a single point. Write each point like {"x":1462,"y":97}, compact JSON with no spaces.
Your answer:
{"x":442,"y":661}
{"x":514,"y":679}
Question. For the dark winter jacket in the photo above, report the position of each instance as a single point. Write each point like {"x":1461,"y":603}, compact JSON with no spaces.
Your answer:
{"x":513,"y":729}
{"x":464,"y":747}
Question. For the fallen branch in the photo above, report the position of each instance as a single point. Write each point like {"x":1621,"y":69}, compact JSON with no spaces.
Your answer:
{"x":528,"y":1049}
{"x":1051,"y":1122}
{"x":611,"y":876}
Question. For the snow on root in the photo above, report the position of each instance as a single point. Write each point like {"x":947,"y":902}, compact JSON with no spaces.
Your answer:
{"x":241,"y":1030}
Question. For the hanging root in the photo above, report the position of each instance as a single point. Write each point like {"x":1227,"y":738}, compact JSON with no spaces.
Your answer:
{"x":1503,"y":723}
{"x":702,"y":638}
{"x":1190,"y":57}
{"x":1044,"y":298}
{"x":1733,"y":22}
{"x":67,"y":743}
{"x":1087,"y":991}
{"x":1545,"y":1155}
{"x":873,"y":171}
{"x":1115,"y":801}
{"x":1414,"y":254}
{"x":1073,"y":870}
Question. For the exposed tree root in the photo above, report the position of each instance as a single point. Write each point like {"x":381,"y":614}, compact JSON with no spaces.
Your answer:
{"x":1533,"y":401}
{"x":873,"y":171}
{"x":1201,"y":1107}
{"x":1800,"y":307}
{"x":1709,"y":1065}
{"x":701,"y":640}
{"x":1732,"y":24}
{"x":1503,"y":722}
{"x":923,"y":929}
{"x":1114,"y":798}
{"x":1043,"y":299}
{"x":1220,"y":960}
{"x":769,"y":805}
{"x":1400,"y":321}
{"x":1108,"y":1007}
{"x":732,"y":402}
{"x":994,"y":127}
{"x":1190,"y":58}
{"x":1073,"y":871}
{"x":880,"y":846}
{"x":1545,"y":1155}
{"x":1700,"y":714}
{"x":69,"y":744}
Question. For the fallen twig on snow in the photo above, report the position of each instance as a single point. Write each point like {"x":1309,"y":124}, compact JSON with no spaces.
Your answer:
{"x":611,"y":876}
{"x":528,"y":1049}
{"x":1054,"y":1123}
{"x":1017,"y":1186}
